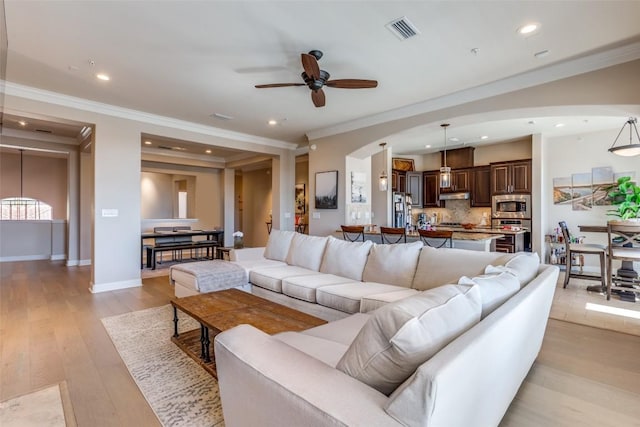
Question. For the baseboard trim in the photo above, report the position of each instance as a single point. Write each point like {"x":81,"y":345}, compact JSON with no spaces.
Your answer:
{"x":114,"y":286}
{"x":24,"y":258}
{"x":84,"y":262}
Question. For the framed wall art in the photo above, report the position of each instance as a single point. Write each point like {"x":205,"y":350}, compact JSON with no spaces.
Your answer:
{"x":301,"y":205}
{"x":327,"y":190}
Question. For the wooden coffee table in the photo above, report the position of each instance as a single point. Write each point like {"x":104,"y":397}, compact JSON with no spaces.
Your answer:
{"x":222,"y":310}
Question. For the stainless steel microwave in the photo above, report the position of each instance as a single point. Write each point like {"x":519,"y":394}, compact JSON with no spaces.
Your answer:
{"x":511,"y":206}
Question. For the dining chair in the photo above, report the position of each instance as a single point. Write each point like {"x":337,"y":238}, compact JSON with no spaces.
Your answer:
{"x":352,"y":233}
{"x":441,"y":237}
{"x":572,"y":249}
{"x":624,"y":245}
{"x":393,"y":235}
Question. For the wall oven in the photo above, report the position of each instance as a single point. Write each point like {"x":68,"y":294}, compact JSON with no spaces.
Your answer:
{"x":511,"y":206}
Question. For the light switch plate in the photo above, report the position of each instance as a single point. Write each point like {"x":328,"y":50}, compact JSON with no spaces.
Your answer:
{"x":316,"y":215}
{"x":287,"y":214}
{"x":109,"y":212}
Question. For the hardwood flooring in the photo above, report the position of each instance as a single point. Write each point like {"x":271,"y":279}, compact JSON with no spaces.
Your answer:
{"x":50,"y":331}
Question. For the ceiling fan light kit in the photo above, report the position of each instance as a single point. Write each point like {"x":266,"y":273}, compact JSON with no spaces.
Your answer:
{"x":315,"y":79}
{"x":630,"y":149}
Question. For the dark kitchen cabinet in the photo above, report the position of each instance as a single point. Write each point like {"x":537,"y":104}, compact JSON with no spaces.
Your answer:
{"x":414,"y":188}
{"x":511,"y":177}
{"x":510,"y":243}
{"x":398,"y":180}
{"x":460,"y":181}
{"x":481,"y":187}
{"x":431,"y":189}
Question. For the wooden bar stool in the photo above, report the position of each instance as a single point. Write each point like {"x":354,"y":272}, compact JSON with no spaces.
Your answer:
{"x":352,"y":233}
{"x":440,"y":236}
{"x":393,"y":235}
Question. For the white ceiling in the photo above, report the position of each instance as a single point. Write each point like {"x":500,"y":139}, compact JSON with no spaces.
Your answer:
{"x":190,"y":59}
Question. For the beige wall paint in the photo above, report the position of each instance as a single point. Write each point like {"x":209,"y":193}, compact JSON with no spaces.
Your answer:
{"x":44,"y":178}
{"x":302,"y":177}
{"x":156,"y":190}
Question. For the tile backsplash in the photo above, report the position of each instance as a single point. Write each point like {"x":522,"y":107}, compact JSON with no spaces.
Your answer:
{"x":457,"y":211}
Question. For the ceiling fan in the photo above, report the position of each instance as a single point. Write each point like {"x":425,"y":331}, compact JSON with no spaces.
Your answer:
{"x":315,"y":79}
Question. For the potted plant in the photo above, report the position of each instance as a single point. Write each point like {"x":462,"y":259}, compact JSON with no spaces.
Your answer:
{"x":238,"y":240}
{"x":626,"y":195}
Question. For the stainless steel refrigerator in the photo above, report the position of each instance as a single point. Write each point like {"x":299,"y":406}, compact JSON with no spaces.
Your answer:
{"x":402,"y":210}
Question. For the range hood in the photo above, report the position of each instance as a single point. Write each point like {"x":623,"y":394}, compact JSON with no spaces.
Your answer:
{"x":454,"y":196}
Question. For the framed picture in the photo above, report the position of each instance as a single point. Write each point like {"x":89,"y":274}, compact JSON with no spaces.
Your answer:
{"x":301,"y":205}
{"x":327,"y":190}
{"x":358,"y":191}
{"x":402,"y":164}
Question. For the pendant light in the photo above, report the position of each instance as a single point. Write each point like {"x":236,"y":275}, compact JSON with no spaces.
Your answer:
{"x":383,"y":181}
{"x":630,"y":149}
{"x":445,"y":171}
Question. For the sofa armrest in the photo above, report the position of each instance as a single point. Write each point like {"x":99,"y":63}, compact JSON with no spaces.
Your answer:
{"x":246,"y":254}
{"x":266,"y":382}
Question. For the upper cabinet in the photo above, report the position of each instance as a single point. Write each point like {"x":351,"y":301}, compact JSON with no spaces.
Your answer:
{"x":481,"y":187}
{"x":431,"y":189}
{"x":511,"y":177}
{"x":398,"y":180}
{"x":414,"y":188}
{"x":460,"y":181}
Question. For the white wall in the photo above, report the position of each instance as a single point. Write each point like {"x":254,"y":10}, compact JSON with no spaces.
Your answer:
{"x":156,"y":190}
{"x":32,"y":240}
{"x":564,"y":156}
{"x":358,"y":213}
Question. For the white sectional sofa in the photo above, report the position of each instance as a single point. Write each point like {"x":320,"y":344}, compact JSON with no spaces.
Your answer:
{"x":423,"y":336}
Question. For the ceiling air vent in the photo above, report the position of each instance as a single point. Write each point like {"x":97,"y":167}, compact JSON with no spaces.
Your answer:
{"x":43,"y":130}
{"x":164,"y":147}
{"x":402,"y":28}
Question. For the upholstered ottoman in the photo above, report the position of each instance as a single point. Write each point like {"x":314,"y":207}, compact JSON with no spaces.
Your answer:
{"x":206,"y":276}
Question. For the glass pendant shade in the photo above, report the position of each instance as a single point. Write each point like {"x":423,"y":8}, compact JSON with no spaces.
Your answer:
{"x":445,"y":177}
{"x":630,"y":149}
{"x":383,"y":181}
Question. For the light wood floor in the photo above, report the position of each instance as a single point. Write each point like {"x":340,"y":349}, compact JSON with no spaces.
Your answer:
{"x":50,"y":331}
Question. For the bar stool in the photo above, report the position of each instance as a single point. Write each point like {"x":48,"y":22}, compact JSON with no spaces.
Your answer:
{"x":352,"y":233}
{"x":393,"y":235}
{"x":584,"y":249}
{"x":623,"y":238}
{"x":441,"y":236}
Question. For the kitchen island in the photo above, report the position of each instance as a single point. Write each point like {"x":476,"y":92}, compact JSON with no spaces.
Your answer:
{"x":509,"y":240}
{"x":475,"y":241}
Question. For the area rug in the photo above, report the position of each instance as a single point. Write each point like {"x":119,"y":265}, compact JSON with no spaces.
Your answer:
{"x":178,"y":390}
{"x":42,"y":408}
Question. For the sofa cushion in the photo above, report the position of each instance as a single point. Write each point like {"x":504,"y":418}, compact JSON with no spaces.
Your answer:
{"x":304,"y":287}
{"x":446,"y":265}
{"x":346,"y":259}
{"x":343,"y":330}
{"x":526,"y":266}
{"x":375,"y":301}
{"x":494,"y":289}
{"x":402,"y":335}
{"x":278,"y":244}
{"x":306,"y":251}
{"x":327,"y":351}
{"x":392,"y":264}
{"x":346,"y":297}
{"x":271,"y":277}
{"x":252,"y":264}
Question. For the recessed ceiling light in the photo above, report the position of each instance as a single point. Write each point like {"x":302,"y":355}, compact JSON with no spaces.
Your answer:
{"x":208,"y":151}
{"x":484,"y":137}
{"x":179,"y":148}
{"x":272,"y":122}
{"x":559,"y":125}
{"x":147,"y":143}
{"x":102,"y":76}
{"x":532,"y":122}
{"x":528,"y":28}
{"x":22,"y":123}
{"x":454,"y":139}
{"x":427,"y":146}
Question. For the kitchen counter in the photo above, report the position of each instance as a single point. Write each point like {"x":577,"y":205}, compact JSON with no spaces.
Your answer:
{"x":484,"y":230}
{"x":463,"y":239}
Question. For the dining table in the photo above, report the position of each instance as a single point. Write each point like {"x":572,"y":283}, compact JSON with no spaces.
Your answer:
{"x":217,"y":235}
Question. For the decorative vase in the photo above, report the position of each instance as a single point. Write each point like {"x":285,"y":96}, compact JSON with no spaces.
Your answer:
{"x":238,"y":242}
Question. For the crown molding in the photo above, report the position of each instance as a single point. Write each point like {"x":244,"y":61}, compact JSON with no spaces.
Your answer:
{"x":560,"y":70}
{"x":41,"y":95}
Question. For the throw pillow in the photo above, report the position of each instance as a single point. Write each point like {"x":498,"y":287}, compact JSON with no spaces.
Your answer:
{"x":278,"y":245}
{"x":392,"y":264}
{"x":495,"y":289}
{"x":306,"y":251}
{"x":402,"y":335}
{"x":346,"y":259}
{"x":526,"y":266}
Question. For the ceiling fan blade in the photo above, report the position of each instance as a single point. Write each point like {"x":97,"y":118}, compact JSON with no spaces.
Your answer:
{"x":310,"y":65}
{"x":279,"y":85}
{"x":352,"y":83}
{"x":317,"y":96}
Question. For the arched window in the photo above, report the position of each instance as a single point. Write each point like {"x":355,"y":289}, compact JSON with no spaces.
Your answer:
{"x":24,"y":208}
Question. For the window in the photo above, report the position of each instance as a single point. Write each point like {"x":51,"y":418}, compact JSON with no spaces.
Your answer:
{"x":24,"y":208}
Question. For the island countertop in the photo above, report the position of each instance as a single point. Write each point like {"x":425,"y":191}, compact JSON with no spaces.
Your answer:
{"x":477,"y":241}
